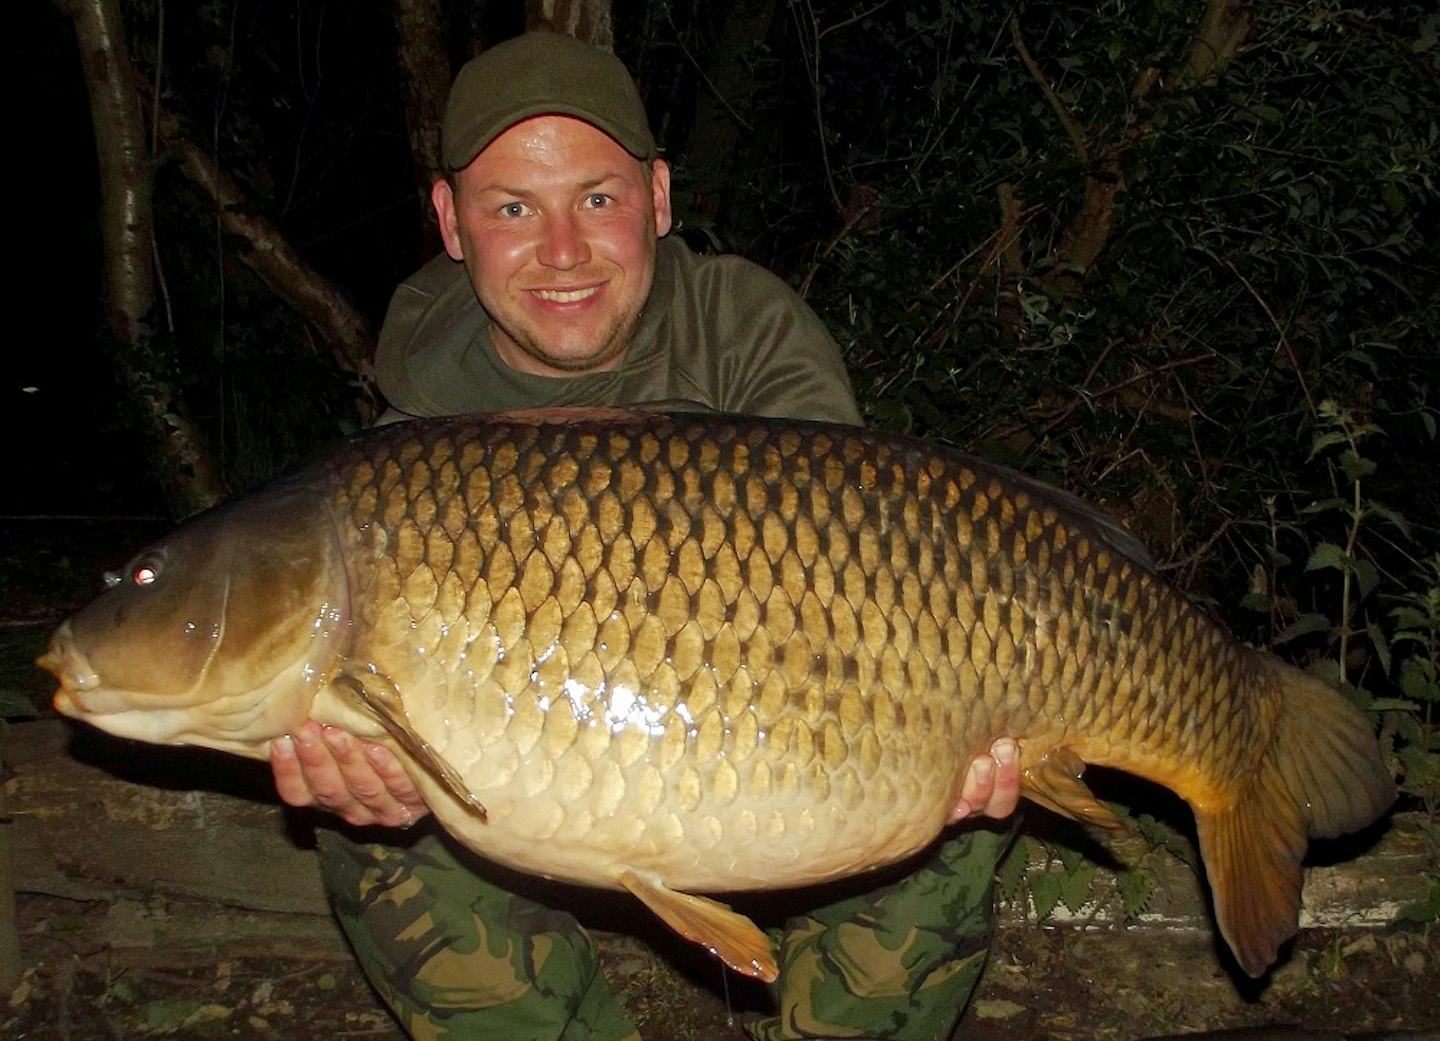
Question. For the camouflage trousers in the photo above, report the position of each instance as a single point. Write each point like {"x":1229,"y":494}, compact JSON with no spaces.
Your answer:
{"x":457,"y":957}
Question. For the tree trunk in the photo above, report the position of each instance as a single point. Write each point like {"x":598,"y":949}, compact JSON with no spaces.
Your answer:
{"x":425,"y":70}
{"x":588,"y":20}
{"x":724,"y":109}
{"x":181,"y":461}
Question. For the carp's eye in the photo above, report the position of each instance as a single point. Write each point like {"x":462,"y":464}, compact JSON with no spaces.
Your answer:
{"x":145,"y":573}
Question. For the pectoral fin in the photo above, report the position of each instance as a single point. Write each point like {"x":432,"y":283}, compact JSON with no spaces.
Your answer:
{"x":731,"y":937}
{"x":377,"y":696}
{"x":1054,"y":782}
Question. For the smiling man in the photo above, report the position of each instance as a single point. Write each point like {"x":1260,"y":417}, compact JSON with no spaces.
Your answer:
{"x":560,"y":287}
{"x":558,"y":227}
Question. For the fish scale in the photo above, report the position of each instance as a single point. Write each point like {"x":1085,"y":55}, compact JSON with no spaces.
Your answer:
{"x":521,"y":488}
{"x":701,"y":653}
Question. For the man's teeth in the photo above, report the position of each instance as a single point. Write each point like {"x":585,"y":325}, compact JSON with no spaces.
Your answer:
{"x":566,"y":296}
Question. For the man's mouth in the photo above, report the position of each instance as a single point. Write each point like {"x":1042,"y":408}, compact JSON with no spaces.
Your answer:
{"x":566,"y":296}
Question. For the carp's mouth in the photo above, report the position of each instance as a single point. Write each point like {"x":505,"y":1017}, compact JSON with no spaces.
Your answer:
{"x":82,"y":692}
{"x":84,"y":695}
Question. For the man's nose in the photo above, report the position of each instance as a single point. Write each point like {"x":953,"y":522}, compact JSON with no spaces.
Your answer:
{"x":563,"y":244}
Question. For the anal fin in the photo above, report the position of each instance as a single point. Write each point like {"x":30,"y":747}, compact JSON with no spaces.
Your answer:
{"x":378,"y":697}
{"x":730,"y":936}
{"x":1054,"y":782}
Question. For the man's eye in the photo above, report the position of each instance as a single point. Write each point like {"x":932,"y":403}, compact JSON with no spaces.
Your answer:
{"x":598,"y":200}
{"x":513,"y":209}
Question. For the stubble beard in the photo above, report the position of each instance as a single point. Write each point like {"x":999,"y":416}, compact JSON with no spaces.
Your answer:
{"x":612,"y":346}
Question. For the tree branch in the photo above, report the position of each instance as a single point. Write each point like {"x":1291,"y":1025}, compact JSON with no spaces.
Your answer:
{"x":1072,"y":129}
{"x":343,"y":328}
{"x":1223,"y":29}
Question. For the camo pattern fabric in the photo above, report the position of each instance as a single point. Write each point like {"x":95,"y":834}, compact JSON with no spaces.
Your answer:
{"x":456,"y":957}
{"x":897,"y":963}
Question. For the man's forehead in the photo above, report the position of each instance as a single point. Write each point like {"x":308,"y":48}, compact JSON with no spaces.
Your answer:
{"x":553,"y":149}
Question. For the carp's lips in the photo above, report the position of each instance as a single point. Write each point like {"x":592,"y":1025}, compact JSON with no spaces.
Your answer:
{"x":68,"y":664}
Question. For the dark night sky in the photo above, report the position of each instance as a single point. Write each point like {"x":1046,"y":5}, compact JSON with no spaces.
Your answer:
{"x":56,"y":398}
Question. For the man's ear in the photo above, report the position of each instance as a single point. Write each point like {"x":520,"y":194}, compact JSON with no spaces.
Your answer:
{"x":442,"y":197}
{"x":660,"y":193}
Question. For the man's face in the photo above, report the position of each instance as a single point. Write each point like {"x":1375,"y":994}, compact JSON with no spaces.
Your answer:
{"x":557,"y":226}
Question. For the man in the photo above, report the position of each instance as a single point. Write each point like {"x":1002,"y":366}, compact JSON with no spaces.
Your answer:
{"x":559,"y":287}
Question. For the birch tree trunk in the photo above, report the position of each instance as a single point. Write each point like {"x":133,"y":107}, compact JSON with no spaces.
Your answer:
{"x":588,"y":20}
{"x":180,"y":460}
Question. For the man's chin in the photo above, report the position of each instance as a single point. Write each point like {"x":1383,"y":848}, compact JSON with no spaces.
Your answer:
{"x":560,"y":359}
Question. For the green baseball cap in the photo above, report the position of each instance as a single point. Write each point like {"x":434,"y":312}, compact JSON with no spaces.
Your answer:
{"x":542,"y":74}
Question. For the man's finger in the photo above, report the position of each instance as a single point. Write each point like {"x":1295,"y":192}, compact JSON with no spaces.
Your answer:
{"x":397,"y":782}
{"x":289,"y":780}
{"x":992,"y":784}
{"x":1005,"y":793}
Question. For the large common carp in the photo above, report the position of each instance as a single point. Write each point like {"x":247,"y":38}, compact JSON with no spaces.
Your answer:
{"x":674,"y":654}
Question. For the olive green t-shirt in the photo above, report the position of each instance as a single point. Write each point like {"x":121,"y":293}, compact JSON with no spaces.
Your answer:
{"x":717,"y":333}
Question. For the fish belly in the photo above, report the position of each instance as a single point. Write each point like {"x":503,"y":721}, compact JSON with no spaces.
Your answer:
{"x":739,"y":652}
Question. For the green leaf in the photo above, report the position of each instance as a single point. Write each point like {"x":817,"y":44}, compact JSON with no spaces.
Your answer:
{"x":1136,"y":889}
{"x":1076,"y":886}
{"x":1409,"y":618}
{"x":1387,"y":514}
{"x":1355,"y":465}
{"x":1324,"y":441}
{"x":1277,"y":559}
{"x":1391,"y":705}
{"x":1256,"y":602}
{"x":1071,"y":859}
{"x":1417,"y":680}
{"x":1302,"y":626}
{"x":1162,"y":836}
{"x":1381,"y":645}
{"x":1045,"y":889}
{"x":1323,"y":505}
{"x":1327,"y":554}
{"x":1366,"y":577}
{"x":1010,"y":875}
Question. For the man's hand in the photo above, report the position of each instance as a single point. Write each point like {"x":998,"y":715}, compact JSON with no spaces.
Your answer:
{"x":361,"y":781}
{"x":992,"y":784}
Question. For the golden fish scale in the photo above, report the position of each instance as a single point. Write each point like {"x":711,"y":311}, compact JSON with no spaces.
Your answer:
{"x":746,"y":654}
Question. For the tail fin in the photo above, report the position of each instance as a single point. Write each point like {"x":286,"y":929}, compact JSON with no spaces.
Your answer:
{"x":1322,"y":776}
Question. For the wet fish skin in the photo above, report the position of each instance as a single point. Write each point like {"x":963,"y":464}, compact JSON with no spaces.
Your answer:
{"x":677,"y":654}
